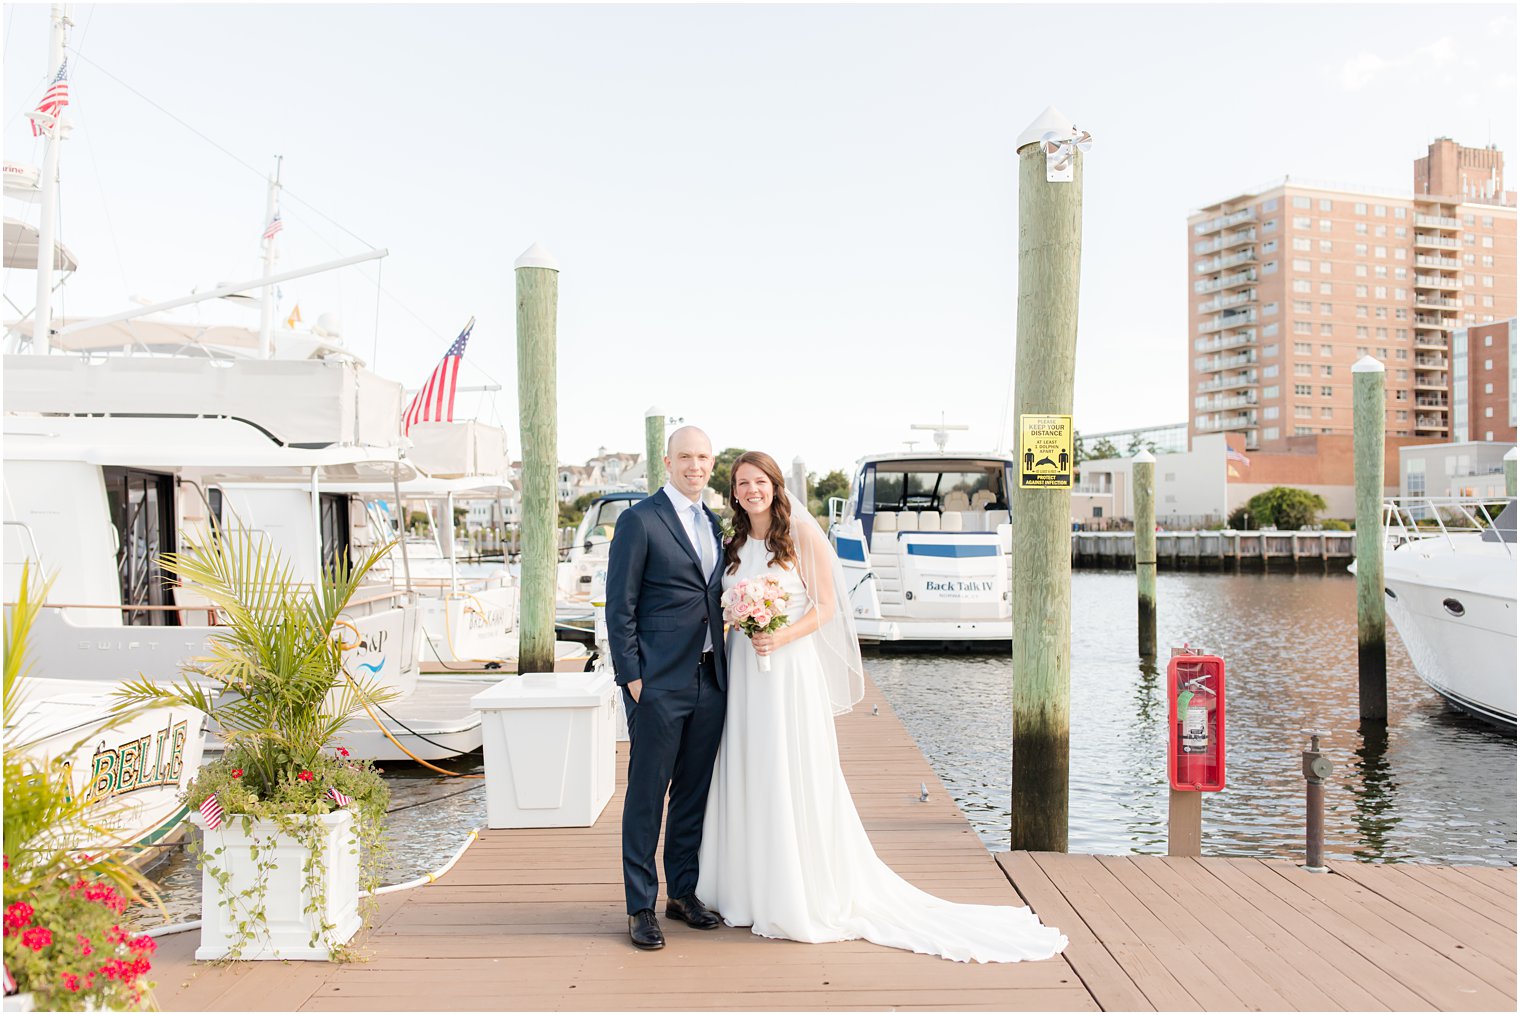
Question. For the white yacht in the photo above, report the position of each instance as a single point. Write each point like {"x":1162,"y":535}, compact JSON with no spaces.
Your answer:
{"x":1449,"y":579}
{"x":585,"y":566}
{"x":924,"y":539}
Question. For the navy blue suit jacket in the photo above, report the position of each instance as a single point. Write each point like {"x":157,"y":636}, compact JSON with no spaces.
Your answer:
{"x":659,"y":605}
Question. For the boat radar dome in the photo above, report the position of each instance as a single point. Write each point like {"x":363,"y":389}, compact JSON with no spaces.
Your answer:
{"x":329,"y":327}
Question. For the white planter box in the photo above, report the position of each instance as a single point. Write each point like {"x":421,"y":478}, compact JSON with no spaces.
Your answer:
{"x":550,"y":748}
{"x":288,"y":930}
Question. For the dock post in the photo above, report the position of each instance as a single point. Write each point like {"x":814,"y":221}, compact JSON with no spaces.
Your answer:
{"x":1509,"y":471}
{"x":654,"y":448}
{"x":537,"y":304}
{"x":1050,"y":255}
{"x":798,"y":480}
{"x":1145,"y":547}
{"x":1369,"y":413}
{"x":1317,"y":768}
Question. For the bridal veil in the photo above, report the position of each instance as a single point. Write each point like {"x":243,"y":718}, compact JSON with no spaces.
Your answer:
{"x":838,"y":646}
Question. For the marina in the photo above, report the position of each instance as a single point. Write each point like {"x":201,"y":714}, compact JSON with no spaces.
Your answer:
{"x":533,"y":920}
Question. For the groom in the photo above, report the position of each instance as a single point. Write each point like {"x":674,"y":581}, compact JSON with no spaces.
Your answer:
{"x":665,"y":630}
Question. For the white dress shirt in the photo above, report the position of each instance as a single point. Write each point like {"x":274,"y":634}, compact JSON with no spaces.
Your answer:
{"x":697,"y":528}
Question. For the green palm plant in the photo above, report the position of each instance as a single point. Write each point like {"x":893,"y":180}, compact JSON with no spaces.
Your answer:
{"x":273,"y":683}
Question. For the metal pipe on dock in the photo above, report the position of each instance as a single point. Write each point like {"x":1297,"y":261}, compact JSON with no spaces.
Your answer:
{"x":1317,"y":769}
{"x":537,"y":303}
{"x":1369,"y":415}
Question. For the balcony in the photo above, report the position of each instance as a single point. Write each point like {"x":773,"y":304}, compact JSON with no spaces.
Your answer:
{"x":1224,"y":402}
{"x":1442,"y":323}
{"x":1431,"y":401}
{"x":1430,"y":362}
{"x":1437,"y":222}
{"x":1210,"y":285}
{"x":1240,"y":359}
{"x":1225,"y":242}
{"x":1430,"y":340}
{"x":1428,"y":299}
{"x":1430,"y":240}
{"x":1438,"y":281}
{"x":1214,"y":264}
{"x":1225,"y":302}
{"x":1224,"y":221}
{"x":1246,"y":336}
{"x":1430,"y":423}
{"x":1228,"y":320}
{"x":1430,"y":382}
{"x":1230,"y":422}
{"x":1432,"y":261}
{"x":1244,"y":380}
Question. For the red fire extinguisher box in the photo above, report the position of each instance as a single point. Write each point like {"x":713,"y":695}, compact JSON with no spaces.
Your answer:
{"x":1195,"y":713}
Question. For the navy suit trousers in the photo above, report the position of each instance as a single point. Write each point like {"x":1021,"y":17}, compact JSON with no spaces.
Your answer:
{"x":673,"y":737}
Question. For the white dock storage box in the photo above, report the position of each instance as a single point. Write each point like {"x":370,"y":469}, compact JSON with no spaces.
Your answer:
{"x":550,"y":748}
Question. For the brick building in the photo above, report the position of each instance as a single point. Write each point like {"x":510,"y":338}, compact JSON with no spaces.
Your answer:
{"x":1292,"y":283}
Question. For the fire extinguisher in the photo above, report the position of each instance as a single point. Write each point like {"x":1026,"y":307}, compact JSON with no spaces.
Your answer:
{"x":1195,"y":700}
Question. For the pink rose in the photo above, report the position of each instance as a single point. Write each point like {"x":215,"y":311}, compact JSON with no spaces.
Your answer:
{"x":762,"y":618}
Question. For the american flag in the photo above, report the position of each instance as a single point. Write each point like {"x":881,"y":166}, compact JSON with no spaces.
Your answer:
{"x":339,"y":797}
{"x":435,"y":402}
{"x":211,"y":812}
{"x":275,"y":225}
{"x":56,"y":98}
{"x":1231,"y":455}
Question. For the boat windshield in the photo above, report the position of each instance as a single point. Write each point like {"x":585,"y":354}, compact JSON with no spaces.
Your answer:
{"x":945,"y":485}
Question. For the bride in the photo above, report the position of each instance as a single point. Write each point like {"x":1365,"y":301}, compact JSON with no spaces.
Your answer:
{"x":783,"y":850}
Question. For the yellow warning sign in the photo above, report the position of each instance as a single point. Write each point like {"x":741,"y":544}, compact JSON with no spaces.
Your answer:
{"x":1045,"y":457}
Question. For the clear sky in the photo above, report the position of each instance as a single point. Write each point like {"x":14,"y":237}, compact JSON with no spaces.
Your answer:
{"x":795,"y":226}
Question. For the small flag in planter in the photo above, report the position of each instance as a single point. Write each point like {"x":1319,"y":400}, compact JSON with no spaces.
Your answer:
{"x":339,"y":798}
{"x":211,"y":812}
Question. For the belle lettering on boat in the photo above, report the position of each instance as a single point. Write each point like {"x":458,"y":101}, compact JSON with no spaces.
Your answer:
{"x":127,"y":766}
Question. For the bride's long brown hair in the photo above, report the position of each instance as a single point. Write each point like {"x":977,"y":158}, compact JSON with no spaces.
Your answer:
{"x":779,"y":540}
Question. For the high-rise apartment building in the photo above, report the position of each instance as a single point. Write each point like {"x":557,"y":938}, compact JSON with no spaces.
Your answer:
{"x":1292,"y":284}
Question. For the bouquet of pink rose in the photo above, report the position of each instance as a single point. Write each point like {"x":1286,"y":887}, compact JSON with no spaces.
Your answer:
{"x":754,"y":606}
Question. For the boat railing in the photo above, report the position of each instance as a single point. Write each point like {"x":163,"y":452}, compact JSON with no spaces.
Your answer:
{"x":1406,"y":519}
{"x":35,"y":557}
{"x":212,"y":612}
{"x":836,"y":510}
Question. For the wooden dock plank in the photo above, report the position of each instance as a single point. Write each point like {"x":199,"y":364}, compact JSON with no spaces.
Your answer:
{"x":1416,"y":893}
{"x":1107,"y":981}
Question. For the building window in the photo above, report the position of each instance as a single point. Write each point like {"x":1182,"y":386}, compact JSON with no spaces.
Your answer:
{"x":1269,"y":372}
{"x":1301,"y":202}
{"x":1326,"y":328}
{"x":1401,"y":415}
{"x":1361,"y":208}
{"x":1302,"y":222}
{"x":1403,"y":375}
{"x":1488,"y":412}
{"x":1325,"y":204}
{"x":1300,"y":264}
{"x":1361,"y":250}
{"x":1302,"y":412}
{"x":1270,"y":433}
{"x":1326,"y":288}
{"x":1326,"y":247}
{"x":1488,"y":221}
{"x":1401,"y":396}
{"x":1361,"y":310}
{"x":1271,"y":391}
{"x":1270,"y":204}
{"x":1361,"y":271}
{"x":1302,"y":348}
{"x":1380,"y":292}
{"x":1379,"y":251}
{"x":1326,"y":412}
{"x":1488,"y":241}
{"x":1488,"y":364}
{"x":1303,"y":389}
{"x":1301,"y":243}
{"x":1488,"y":280}
{"x":1269,"y":226}
{"x":1324,"y":225}
{"x":1270,"y":412}
{"x":1269,"y":330}
{"x":1269,"y":352}
{"x":1326,"y":391}
{"x":1324,"y":267}
{"x":1301,"y":328}
{"x":1327,"y":350}
{"x":1327,"y":309}
{"x":1380,"y":270}
{"x":1302,"y":431}
{"x":1269,"y":309}
{"x":1488,"y":389}
{"x":1469,"y":258}
{"x":1327,"y":370}
{"x":1303,"y":306}
{"x":1301,"y":285}
{"x":1488,"y":260}
{"x":1303,"y":369}
{"x":1399,"y":213}
{"x":1361,"y":290}
{"x":1401,"y":354}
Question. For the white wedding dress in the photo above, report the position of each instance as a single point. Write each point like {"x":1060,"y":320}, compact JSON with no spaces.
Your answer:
{"x":783,"y":850}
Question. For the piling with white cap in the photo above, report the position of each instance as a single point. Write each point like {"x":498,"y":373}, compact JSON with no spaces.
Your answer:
{"x":537,"y":404}
{"x":1144,"y":483}
{"x":1050,"y":255}
{"x":1509,"y":471}
{"x":1369,"y":426}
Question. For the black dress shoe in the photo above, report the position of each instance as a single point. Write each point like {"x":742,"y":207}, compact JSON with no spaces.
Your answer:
{"x":644,"y":929}
{"x":690,"y":911}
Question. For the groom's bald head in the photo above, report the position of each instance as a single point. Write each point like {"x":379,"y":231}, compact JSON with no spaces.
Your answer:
{"x":688,"y":460}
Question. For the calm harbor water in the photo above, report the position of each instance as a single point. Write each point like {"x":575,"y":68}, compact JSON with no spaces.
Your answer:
{"x":1439,"y":788}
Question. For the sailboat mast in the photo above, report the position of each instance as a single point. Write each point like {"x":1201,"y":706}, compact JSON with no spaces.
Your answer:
{"x":47,"y":227}
{"x":266,"y":302}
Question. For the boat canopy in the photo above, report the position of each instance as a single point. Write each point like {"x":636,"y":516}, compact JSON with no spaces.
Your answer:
{"x":218,"y":448}
{"x":21,"y":248}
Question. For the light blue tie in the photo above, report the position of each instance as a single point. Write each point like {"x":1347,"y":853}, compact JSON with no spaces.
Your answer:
{"x":704,"y":544}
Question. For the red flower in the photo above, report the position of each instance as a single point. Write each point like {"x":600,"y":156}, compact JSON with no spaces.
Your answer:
{"x":85,"y":947}
{"x":343,"y":752}
{"x":144,"y":944}
{"x":237,"y":773}
{"x":17,"y":915}
{"x":71,"y":982}
{"x":116,"y":935}
{"x":7,"y":861}
{"x":37,"y":938}
{"x":305,"y":776}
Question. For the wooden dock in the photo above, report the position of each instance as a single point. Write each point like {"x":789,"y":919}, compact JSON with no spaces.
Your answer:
{"x":534,"y":920}
{"x":1221,"y":550}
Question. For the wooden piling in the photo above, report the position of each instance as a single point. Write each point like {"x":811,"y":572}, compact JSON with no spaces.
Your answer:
{"x":654,"y":448}
{"x":1144,"y":483}
{"x":1368,"y":381}
{"x":1509,"y":471}
{"x":1050,"y":253}
{"x":537,"y":304}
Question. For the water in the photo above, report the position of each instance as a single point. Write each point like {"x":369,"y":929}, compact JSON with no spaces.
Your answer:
{"x":1439,"y":788}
